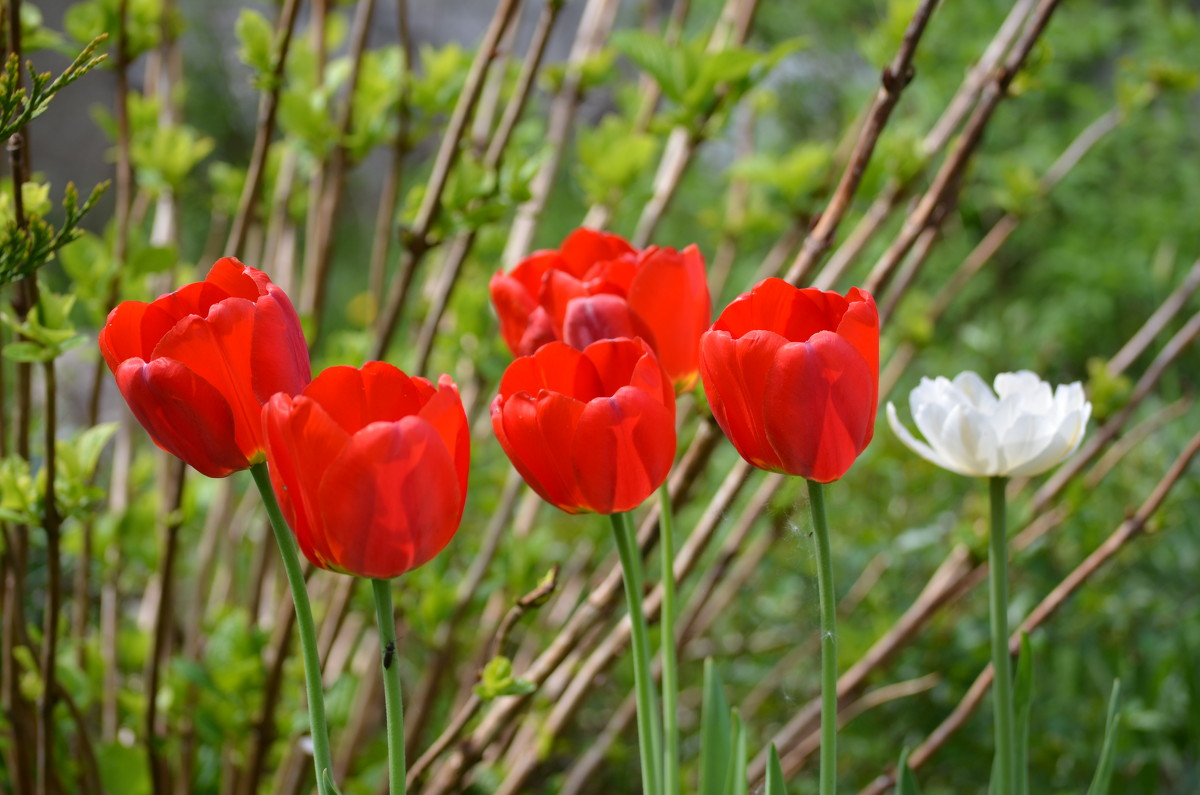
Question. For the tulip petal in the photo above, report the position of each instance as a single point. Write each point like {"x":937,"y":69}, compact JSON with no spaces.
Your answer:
{"x":215,"y":349}
{"x":819,"y":406}
{"x":735,"y":376}
{"x":302,"y":440}
{"x":558,"y":289}
{"x":670,"y":296}
{"x":238,"y":280}
{"x":514,"y":303}
{"x":390,"y":500}
{"x":556,"y":367}
{"x":444,"y":413}
{"x":379,"y":392}
{"x":121,"y":337}
{"x":183,"y":414}
{"x":585,"y":247}
{"x":278,"y":352}
{"x":534,"y":434}
{"x":622,"y":450}
{"x":593,"y":318}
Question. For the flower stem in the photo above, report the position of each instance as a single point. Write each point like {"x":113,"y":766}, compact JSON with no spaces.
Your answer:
{"x":829,"y":667}
{"x":393,"y":706}
{"x":304,"y":622}
{"x":670,"y":669}
{"x":649,"y":731}
{"x":1001,"y":659}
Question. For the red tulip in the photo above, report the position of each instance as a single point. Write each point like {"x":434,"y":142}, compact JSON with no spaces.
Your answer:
{"x":370,"y":467}
{"x":590,"y":430}
{"x":597,"y":286}
{"x":792,"y":377}
{"x":197,"y":364}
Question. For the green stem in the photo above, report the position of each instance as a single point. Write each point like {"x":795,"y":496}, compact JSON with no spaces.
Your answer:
{"x":393,"y":706}
{"x":304,"y":622}
{"x":670,"y":669}
{"x":649,"y":731}
{"x":1001,"y":659}
{"x":829,"y":666}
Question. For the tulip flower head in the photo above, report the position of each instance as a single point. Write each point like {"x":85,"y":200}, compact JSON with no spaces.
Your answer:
{"x":596,"y":286}
{"x":590,"y":430}
{"x":370,"y":467}
{"x":196,"y":365}
{"x":1020,"y":430}
{"x":792,"y":377}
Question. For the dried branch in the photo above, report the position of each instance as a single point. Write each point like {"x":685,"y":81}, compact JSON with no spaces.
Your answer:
{"x":417,"y":238}
{"x":265,"y":124}
{"x":896,"y":76}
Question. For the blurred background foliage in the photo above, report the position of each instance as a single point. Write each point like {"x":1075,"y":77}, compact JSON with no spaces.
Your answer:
{"x":1086,"y":265}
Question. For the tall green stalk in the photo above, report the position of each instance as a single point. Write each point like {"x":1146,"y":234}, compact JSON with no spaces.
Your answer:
{"x":1001,"y":659}
{"x":649,"y":730}
{"x":670,"y":668}
{"x":829,"y":667}
{"x":322,"y":759}
{"x":393,"y":706}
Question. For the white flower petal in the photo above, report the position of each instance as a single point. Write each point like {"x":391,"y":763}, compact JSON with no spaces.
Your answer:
{"x":969,"y":441}
{"x":912,"y":442}
{"x":975,"y":390}
{"x":1023,"y":428}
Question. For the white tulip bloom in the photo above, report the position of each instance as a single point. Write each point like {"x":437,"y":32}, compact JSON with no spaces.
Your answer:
{"x":1020,"y":430}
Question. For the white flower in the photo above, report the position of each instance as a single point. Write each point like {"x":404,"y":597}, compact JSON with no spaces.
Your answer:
{"x":1020,"y":430}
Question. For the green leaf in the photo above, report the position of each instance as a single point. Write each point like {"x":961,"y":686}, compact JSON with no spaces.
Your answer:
{"x":497,"y":680}
{"x":906,"y":782}
{"x":775,"y":782}
{"x":1104,"y":769}
{"x":670,"y":66}
{"x":29,"y":352}
{"x":1022,"y":703}
{"x":715,"y":733}
{"x":254,"y":33}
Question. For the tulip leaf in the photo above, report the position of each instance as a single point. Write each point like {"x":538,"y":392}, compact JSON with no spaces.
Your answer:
{"x":775,"y":782}
{"x":1104,"y":769}
{"x":736,"y":783}
{"x":715,"y":733}
{"x":906,"y":782}
{"x":1022,"y":703}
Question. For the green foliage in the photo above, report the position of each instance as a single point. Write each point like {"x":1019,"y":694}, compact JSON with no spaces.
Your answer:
{"x":24,"y":249}
{"x":716,"y":734}
{"x":257,"y":49}
{"x":497,"y":679}
{"x":612,"y":156}
{"x":92,"y":19}
{"x":19,"y":106}
{"x":696,"y":80}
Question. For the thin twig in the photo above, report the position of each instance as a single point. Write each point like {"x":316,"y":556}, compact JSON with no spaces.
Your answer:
{"x":895,"y":77}
{"x":418,"y":240}
{"x":949,"y":174}
{"x":265,"y":124}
